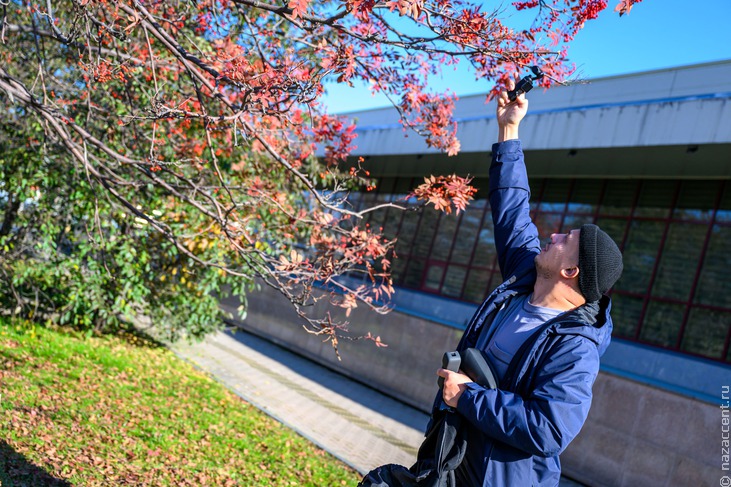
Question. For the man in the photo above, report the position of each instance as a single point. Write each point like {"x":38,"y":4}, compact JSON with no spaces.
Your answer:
{"x":543,"y":330}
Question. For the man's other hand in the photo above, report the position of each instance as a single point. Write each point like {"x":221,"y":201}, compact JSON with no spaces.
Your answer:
{"x":510,"y":113}
{"x":454,"y":385}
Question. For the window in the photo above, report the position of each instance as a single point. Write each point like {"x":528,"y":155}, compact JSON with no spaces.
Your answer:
{"x":706,"y":332}
{"x":679,"y":261}
{"x":713,"y":287}
{"x":675,"y":291}
{"x":640,"y":254}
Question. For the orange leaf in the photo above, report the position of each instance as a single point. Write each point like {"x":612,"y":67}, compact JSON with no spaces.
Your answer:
{"x":298,"y":7}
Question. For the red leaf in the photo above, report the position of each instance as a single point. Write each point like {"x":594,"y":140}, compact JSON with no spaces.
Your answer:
{"x":299,"y":7}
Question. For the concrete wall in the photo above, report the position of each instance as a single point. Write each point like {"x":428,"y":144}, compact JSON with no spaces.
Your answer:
{"x":636,"y":435}
{"x":405,"y":369}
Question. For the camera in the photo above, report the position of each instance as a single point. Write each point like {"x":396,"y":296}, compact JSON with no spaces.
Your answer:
{"x":473,"y":363}
{"x":526,"y":83}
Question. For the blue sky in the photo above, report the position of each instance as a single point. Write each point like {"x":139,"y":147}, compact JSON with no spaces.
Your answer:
{"x":656,"y":34}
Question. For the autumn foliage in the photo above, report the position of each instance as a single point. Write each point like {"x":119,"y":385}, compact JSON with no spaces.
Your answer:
{"x":157,"y":156}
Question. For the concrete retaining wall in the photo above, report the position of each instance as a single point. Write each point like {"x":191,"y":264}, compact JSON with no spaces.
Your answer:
{"x":405,"y":369}
{"x":636,"y":435}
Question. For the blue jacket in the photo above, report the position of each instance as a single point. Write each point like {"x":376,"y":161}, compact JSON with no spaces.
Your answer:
{"x":517,"y":431}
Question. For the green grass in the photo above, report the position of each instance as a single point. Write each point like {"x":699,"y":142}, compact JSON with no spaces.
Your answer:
{"x":117,"y":410}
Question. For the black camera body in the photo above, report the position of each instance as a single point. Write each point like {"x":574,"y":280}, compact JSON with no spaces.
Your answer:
{"x":473,"y":363}
{"x":526,"y":83}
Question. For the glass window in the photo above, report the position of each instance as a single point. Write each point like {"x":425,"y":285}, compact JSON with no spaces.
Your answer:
{"x":485,"y":251}
{"x":481,"y":197}
{"x":425,"y":233}
{"x":427,"y":239}
{"x":480,"y":201}
{"x":536,"y":187}
{"x":477,"y":284}
{"x":679,"y":260}
{"x":639,"y":255}
{"x":445,"y":236}
{"x":614,"y":227}
{"x":394,"y":216}
{"x":656,"y":198}
{"x":392,"y":222}
{"x":626,"y":312}
{"x":377,"y":219}
{"x":662,"y":323}
{"x":434,"y":277}
{"x":547,"y":223}
{"x":619,"y":196}
{"x":706,"y":331}
{"x":355,"y":201}
{"x":571,"y":222}
{"x":466,"y":236}
{"x":414,"y":272}
{"x":585,"y":196}
{"x":407,"y":233}
{"x":367,"y":199}
{"x":697,"y":200}
{"x":555,"y":194}
{"x":398,"y":268}
{"x":454,"y":280}
{"x":713,"y":284}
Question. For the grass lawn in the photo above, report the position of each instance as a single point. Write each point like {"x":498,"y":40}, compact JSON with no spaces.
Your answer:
{"x":122,"y":411}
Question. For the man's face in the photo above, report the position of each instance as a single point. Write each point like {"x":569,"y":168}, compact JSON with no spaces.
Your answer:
{"x":561,"y":252}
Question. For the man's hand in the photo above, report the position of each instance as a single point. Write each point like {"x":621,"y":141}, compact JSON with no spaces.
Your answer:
{"x":454,"y":386}
{"x":510,"y":113}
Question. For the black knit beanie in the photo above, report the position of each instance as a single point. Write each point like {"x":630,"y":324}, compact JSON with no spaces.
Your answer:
{"x":600,"y":262}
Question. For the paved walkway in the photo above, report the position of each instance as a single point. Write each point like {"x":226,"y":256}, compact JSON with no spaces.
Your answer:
{"x":358,"y":425}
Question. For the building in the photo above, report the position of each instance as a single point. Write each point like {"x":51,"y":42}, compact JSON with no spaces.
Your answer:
{"x":645,"y":156}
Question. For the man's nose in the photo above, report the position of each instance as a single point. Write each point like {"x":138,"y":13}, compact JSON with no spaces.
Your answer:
{"x":557,"y":237}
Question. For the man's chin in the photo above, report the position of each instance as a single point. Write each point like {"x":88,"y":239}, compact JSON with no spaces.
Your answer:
{"x":542,"y":271}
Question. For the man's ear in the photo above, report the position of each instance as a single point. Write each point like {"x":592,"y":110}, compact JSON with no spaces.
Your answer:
{"x":570,"y":273}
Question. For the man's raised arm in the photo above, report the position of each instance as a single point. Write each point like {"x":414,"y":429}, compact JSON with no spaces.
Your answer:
{"x":510,"y":114}
{"x":516,"y":238}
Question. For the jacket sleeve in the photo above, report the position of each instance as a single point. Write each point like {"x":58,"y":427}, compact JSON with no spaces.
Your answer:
{"x":544,"y":422}
{"x":516,"y":237}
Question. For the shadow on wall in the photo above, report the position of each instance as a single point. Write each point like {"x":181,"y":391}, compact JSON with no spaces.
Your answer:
{"x":17,"y":471}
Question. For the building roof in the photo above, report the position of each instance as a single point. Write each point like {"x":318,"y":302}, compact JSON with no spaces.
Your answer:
{"x":670,"y":112}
